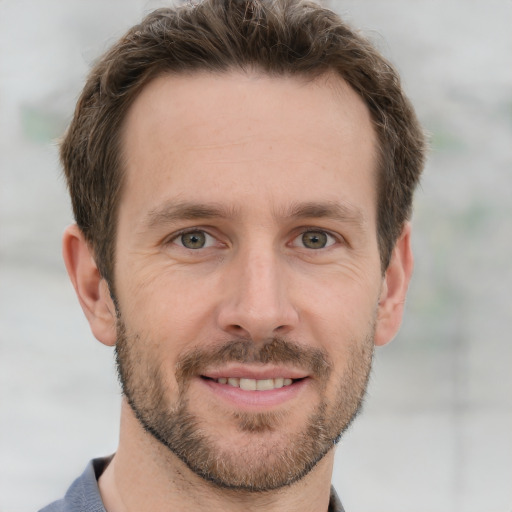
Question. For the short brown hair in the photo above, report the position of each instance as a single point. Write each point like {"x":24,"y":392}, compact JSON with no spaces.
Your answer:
{"x":278,"y":37}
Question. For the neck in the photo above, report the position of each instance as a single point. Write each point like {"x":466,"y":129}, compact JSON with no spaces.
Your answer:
{"x":144,"y":475}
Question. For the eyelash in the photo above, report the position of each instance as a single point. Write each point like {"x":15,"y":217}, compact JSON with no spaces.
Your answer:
{"x":185,"y":232}
{"x":332,"y":239}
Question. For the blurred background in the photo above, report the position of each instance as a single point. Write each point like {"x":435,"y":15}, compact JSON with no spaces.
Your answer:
{"x":436,"y":432}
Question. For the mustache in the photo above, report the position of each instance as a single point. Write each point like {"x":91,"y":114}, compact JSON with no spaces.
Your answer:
{"x":314,"y":361}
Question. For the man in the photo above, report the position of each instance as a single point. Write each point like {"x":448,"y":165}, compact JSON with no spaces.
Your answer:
{"x":241,"y":173}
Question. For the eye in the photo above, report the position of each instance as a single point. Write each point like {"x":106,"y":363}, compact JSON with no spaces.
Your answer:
{"x":314,"y":239}
{"x":194,"y":240}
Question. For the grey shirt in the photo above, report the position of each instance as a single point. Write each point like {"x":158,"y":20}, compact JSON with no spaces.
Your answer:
{"x":84,"y":494}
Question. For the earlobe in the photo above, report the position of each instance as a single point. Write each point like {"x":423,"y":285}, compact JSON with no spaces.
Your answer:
{"x":91,"y":289}
{"x":394,"y":289}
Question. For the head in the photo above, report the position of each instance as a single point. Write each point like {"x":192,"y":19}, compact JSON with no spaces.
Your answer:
{"x":278,"y":38}
{"x":242,"y":175}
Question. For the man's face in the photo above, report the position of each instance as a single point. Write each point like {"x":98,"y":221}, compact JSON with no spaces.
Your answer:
{"x":247,"y":270}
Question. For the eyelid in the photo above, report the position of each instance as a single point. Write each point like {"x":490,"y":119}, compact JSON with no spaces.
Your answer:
{"x":335,"y":237}
{"x":210,"y":239}
{"x":171,"y":239}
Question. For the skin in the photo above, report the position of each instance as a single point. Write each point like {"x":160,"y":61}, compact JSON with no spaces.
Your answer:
{"x":261,"y":151}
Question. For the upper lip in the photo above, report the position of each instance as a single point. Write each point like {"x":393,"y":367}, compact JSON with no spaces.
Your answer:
{"x":255,"y":372}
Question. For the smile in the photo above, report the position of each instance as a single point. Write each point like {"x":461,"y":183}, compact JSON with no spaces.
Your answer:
{"x":255,"y":384}
{"x":255,"y":394}
{"x":255,"y":387}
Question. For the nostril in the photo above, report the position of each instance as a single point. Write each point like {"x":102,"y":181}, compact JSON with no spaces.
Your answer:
{"x":238,"y":330}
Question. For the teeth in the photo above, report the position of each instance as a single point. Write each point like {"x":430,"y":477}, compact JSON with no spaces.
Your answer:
{"x":262,"y":385}
{"x":248,"y":384}
{"x":255,"y":385}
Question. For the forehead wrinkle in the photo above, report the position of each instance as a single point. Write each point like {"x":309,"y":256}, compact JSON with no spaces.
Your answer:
{"x":240,"y":141}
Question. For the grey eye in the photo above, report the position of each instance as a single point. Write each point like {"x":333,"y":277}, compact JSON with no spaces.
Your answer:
{"x":315,"y":239}
{"x":193,"y":240}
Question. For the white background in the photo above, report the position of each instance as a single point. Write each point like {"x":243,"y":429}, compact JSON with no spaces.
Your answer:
{"x":436,"y":433}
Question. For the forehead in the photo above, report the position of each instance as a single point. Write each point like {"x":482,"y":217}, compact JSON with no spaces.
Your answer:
{"x":243,"y":138}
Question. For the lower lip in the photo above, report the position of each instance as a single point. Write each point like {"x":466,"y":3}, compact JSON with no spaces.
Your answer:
{"x":256,"y":399}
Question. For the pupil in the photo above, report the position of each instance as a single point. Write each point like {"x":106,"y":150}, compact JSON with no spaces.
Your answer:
{"x":314,"y":239}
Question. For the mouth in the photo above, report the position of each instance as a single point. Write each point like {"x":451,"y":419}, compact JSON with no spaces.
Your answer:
{"x":255,"y":389}
{"x":248,"y":384}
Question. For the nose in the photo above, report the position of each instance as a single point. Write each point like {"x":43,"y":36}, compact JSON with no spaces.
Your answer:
{"x":256,"y":302}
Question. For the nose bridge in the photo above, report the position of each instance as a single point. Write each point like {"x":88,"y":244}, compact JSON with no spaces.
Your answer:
{"x":258,"y":303}
{"x":262,"y":281}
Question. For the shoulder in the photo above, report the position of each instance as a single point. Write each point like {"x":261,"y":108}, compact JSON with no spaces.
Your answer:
{"x":83,"y":495}
{"x":335,"y":503}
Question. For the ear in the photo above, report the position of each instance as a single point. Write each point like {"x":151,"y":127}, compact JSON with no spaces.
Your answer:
{"x":394,"y":289}
{"x":91,"y":289}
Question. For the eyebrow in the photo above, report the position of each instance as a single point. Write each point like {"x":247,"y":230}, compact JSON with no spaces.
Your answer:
{"x":172,"y":211}
{"x":329,"y":209}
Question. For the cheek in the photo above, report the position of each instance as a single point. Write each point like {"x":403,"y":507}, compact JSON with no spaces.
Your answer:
{"x":340,"y":307}
{"x":165,"y":310}
{"x":163,"y":290}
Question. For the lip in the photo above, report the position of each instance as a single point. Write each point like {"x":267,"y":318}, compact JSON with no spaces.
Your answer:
{"x":255,"y":400}
{"x":255,"y":372}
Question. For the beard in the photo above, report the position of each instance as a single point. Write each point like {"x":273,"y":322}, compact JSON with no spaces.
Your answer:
{"x":271,"y":455}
